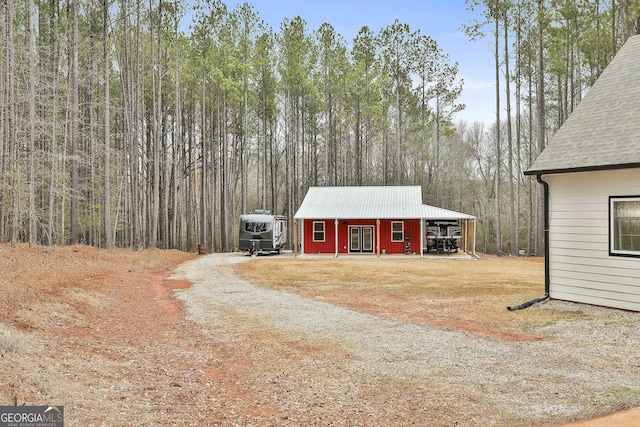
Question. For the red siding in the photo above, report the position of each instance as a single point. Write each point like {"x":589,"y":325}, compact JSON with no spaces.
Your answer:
{"x":328,"y":246}
{"x":411,"y":227}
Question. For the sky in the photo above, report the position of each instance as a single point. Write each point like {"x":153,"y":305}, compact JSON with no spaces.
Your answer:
{"x":439,"y":19}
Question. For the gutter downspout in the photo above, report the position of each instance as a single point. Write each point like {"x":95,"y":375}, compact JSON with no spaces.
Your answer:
{"x":545,"y":297}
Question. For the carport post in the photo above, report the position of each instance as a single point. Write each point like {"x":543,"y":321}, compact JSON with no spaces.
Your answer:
{"x":464,"y":234}
{"x":473,"y":244}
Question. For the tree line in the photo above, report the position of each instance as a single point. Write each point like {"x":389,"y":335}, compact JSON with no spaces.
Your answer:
{"x":120,"y":127}
{"x":547,"y":55}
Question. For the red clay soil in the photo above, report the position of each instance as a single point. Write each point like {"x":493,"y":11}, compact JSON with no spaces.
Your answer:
{"x":630,"y":418}
{"x":128,"y":359}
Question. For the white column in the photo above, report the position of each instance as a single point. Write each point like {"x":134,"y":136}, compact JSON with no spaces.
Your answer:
{"x":421,"y":237}
{"x":295,"y":238}
{"x":301,"y":235}
{"x":377,"y":237}
{"x":336,"y":222}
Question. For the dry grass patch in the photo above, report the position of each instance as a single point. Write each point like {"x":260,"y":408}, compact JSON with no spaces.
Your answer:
{"x":33,"y":277}
{"x":465,"y":294}
{"x":75,"y":324}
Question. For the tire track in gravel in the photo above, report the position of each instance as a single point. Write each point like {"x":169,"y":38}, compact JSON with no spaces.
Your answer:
{"x":376,"y":371}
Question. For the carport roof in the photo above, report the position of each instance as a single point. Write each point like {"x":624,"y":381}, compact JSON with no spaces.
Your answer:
{"x":381,"y":202}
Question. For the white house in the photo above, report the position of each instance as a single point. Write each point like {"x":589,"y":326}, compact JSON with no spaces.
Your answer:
{"x":591,"y":171}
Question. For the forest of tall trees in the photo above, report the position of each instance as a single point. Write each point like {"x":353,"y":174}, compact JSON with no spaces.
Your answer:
{"x":120,"y":127}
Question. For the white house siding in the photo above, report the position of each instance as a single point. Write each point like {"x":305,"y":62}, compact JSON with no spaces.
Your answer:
{"x":581,"y":268}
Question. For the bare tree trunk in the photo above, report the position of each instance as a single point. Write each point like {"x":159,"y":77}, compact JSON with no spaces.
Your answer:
{"x":614,"y":35}
{"x":245,"y":124}
{"x":11,"y":124}
{"x":541,"y":122}
{"x":75,"y":122}
{"x":262,"y":201}
{"x":192,"y":199}
{"x":3,"y":113}
{"x":438,"y":166}
{"x":531,"y":238}
{"x":203,"y":215}
{"x":273,"y":162}
{"x":130,"y":72}
{"x":498,"y":154}
{"x":137,"y":228}
{"x":358,"y":144}
{"x":88,"y":139}
{"x":216,"y":176}
{"x":224,"y":172}
{"x":578,"y":68}
{"x":518,"y":126}
{"x":157,"y":132}
{"x":54,"y":143}
{"x":398,"y":138}
{"x":177,"y":142}
{"x":596,"y":11}
{"x":165,"y":175}
{"x":513,"y":232}
{"x":621,"y":22}
{"x":32,"y":121}
{"x":107,"y":120}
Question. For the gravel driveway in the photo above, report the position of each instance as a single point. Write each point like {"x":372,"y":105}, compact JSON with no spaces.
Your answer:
{"x":307,"y":362}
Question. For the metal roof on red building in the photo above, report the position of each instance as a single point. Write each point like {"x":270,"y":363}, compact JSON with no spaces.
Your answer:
{"x":371,"y":202}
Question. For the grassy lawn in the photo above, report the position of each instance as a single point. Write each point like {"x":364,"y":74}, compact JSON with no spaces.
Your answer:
{"x":470,"y":295}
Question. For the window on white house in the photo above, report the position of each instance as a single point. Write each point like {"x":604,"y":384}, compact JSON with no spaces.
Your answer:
{"x":624,"y":233}
{"x":318,"y":231}
{"x":397,"y":231}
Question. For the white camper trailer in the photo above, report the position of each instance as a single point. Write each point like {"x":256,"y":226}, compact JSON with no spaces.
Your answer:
{"x":261,"y":231}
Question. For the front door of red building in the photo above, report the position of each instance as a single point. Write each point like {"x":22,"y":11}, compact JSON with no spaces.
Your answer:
{"x":361,"y":239}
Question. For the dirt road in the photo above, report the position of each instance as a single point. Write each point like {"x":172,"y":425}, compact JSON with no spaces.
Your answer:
{"x":297,"y":361}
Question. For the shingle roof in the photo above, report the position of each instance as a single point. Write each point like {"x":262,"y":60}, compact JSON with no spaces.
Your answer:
{"x":603,"y":132}
{"x":370,"y":203}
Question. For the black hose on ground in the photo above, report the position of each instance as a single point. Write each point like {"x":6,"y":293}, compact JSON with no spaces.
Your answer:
{"x":529,"y":303}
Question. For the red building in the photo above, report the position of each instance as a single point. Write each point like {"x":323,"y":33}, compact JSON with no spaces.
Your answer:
{"x":380,"y":220}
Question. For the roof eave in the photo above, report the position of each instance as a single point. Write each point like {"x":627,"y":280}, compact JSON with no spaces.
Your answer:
{"x":343,"y":218}
{"x":582,"y":169}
